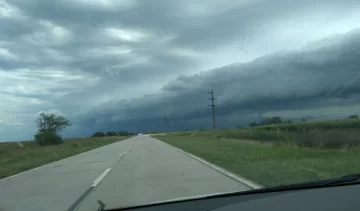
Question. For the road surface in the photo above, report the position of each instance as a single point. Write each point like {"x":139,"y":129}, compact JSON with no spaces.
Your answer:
{"x":132,"y":172}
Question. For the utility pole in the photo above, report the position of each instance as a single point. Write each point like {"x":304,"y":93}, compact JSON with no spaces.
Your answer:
{"x":213,"y":107}
{"x":165,"y":120}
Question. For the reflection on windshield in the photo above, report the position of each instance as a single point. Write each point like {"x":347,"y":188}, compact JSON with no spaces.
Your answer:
{"x":153,"y":101}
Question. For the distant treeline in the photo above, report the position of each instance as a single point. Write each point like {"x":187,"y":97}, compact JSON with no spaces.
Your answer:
{"x":111,"y":133}
{"x":271,"y":121}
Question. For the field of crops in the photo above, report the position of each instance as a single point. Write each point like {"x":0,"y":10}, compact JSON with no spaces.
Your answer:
{"x":321,"y":125}
{"x":321,"y":134}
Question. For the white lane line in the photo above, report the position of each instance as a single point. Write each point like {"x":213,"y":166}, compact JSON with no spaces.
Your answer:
{"x":96,"y":182}
{"x":101,"y":177}
{"x":80,"y":200}
{"x":238,"y":178}
{"x":124,"y":153}
{"x":24,"y":172}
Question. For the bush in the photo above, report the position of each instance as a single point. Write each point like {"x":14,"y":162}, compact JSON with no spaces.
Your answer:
{"x":48,"y":138}
{"x":99,"y":134}
{"x":111,"y":134}
{"x":123,"y":133}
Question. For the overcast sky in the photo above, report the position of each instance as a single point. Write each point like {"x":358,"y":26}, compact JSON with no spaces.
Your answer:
{"x":124,"y":64}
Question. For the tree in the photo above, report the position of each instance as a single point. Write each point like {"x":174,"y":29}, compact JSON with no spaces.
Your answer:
{"x":276,"y":120}
{"x":51,"y":123}
{"x":353,"y":117}
{"x":99,"y":134}
{"x":48,"y":138}
{"x":271,"y":121}
{"x":111,"y":134}
{"x":123,"y":133}
{"x":252,"y":124}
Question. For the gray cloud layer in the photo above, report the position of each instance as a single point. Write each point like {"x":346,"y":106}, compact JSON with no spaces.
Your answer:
{"x":121,"y":64}
{"x":287,"y":80}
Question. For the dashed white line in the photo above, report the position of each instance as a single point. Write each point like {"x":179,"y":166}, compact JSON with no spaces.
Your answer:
{"x":101,"y":177}
{"x":49,"y":164}
{"x":96,"y":182}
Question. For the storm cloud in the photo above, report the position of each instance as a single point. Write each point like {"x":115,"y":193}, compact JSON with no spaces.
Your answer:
{"x":123,"y":65}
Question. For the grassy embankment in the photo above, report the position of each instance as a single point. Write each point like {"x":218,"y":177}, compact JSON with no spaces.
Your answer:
{"x":279,"y":154}
{"x":15,"y":159}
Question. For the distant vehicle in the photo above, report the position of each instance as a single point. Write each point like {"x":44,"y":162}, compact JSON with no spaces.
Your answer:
{"x":140,"y":134}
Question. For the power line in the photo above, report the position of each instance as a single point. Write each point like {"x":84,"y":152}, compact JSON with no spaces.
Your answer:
{"x":213,"y":107}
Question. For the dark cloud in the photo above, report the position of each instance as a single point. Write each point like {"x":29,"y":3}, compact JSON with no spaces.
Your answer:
{"x":125,"y":64}
{"x":305,"y":79}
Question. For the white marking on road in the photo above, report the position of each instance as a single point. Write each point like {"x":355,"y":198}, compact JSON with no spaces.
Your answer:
{"x":101,"y":177}
{"x":217,"y":168}
{"x":124,"y":153}
{"x":15,"y":175}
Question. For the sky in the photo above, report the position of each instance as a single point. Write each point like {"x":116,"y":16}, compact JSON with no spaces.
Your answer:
{"x":113,"y":65}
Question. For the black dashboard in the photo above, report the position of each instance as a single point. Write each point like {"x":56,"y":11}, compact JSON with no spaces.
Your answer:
{"x":345,"y":197}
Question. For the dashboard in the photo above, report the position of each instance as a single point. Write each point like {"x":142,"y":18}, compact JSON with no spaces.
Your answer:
{"x":344,"y":197}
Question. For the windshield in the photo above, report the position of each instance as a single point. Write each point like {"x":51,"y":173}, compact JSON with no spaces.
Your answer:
{"x":132,"y":102}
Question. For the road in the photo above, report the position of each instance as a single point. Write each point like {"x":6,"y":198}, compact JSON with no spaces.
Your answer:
{"x":132,"y":172}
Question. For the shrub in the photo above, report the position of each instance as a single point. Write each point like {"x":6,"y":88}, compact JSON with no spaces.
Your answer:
{"x":48,"y":138}
{"x":111,"y":134}
{"x":123,"y":133}
{"x":99,"y":134}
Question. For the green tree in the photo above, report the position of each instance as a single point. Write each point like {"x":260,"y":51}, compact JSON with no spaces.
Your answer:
{"x":271,"y":121}
{"x":48,"y":138}
{"x":51,"y":123}
{"x":49,"y":126}
{"x":99,"y":134}
{"x":252,"y":124}
{"x":353,"y":117}
{"x":123,"y":133}
{"x":111,"y":133}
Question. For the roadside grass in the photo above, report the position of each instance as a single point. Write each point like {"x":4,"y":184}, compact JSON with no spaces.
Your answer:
{"x":316,"y":138}
{"x":269,"y":164}
{"x":15,"y":159}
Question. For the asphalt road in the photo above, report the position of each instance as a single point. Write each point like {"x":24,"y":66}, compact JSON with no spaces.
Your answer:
{"x":132,"y":172}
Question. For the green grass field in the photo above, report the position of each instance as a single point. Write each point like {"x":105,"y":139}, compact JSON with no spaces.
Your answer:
{"x":15,"y":159}
{"x":268,"y":163}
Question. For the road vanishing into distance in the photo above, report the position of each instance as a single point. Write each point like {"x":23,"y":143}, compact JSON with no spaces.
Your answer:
{"x":131,"y":172}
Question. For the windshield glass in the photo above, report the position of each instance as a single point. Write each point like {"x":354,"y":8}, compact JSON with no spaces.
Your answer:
{"x":135,"y":101}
